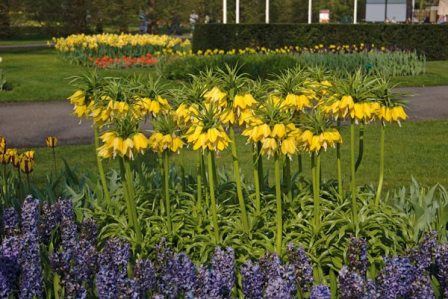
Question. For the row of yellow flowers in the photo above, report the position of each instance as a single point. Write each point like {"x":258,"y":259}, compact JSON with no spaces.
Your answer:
{"x":133,"y":45}
{"x":93,"y":42}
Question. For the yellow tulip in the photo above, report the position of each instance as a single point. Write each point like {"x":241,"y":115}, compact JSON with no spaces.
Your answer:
{"x":51,"y":141}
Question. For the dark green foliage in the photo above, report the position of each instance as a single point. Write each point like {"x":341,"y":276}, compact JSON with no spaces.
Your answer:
{"x":265,"y":65}
{"x":431,"y":40}
{"x":257,"y":66}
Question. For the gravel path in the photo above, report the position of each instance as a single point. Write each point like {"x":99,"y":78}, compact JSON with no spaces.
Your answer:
{"x":28,"y":124}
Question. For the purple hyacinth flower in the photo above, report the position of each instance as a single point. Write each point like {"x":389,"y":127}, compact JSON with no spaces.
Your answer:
{"x":112,"y":280}
{"x":423,"y":255}
{"x":89,"y":231}
{"x":50,"y":218}
{"x":320,"y":292}
{"x":270,"y":266}
{"x":31,"y":278}
{"x":442,"y":267}
{"x":302,"y":267}
{"x":207,"y":284}
{"x":185,"y":275}
{"x":421,"y":286}
{"x":166,"y":269}
{"x":357,"y":256}
{"x":10,"y":221}
{"x":278,"y":288}
{"x":252,"y":280}
{"x":351,"y":284}
{"x":223,"y":265}
{"x":371,"y":290}
{"x":9,"y":270}
{"x":145,"y":277}
{"x":396,"y":277}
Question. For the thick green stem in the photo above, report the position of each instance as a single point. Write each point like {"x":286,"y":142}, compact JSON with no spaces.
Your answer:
{"x":381,"y":176}
{"x":205,"y":178}
{"x":339,"y":166}
{"x":287,"y":177}
{"x":100,"y":167}
{"x":299,"y":163}
{"x":315,"y":172}
{"x":54,"y":160}
{"x":199,"y":182}
{"x":212,"y":196}
{"x":353,"y":173}
{"x":239,"y":188}
{"x":4,"y":182}
{"x":130,"y":197}
{"x":28,"y":183}
{"x":278,"y":196}
{"x":260,"y":166}
{"x":166,"y":187}
{"x":255,"y":158}
{"x":360,"y":146}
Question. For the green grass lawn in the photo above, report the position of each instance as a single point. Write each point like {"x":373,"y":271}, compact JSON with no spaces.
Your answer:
{"x":18,"y":42}
{"x":436,"y":74}
{"x":41,"y":75}
{"x":416,"y":149}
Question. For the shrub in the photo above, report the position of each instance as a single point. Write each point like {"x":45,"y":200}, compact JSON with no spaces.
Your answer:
{"x":431,"y":40}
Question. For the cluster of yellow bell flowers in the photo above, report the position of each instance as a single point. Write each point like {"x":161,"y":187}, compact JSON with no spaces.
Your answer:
{"x":273,"y":119}
{"x":159,"y":142}
{"x":22,"y":161}
{"x":366,"y":111}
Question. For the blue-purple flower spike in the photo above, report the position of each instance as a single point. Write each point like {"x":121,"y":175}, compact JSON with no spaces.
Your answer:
{"x":423,"y":255}
{"x":31,"y":278}
{"x":145,"y":277}
{"x":351,"y":284}
{"x":357,"y":256}
{"x":320,"y":292}
{"x":396,"y":277}
{"x":442,"y":267}
{"x":223,"y":264}
{"x":10,"y":221}
{"x":252,"y":280}
{"x":302,"y":267}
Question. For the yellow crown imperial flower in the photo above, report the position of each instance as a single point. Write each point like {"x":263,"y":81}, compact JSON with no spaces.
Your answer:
{"x":51,"y":141}
{"x":216,"y":96}
{"x":392,"y":114}
{"x":77,"y":98}
{"x":227,"y":117}
{"x":288,"y":146}
{"x":140,"y":142}
{"x":314,"y":143}
{"x":214,"y":139}
{"x":269,"y":146}
{"x":242,"y":102}
{"x":279,"y":131}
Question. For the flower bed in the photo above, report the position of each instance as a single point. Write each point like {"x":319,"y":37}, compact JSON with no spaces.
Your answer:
{"x":123,"y":62}
{"x":278,"y":237}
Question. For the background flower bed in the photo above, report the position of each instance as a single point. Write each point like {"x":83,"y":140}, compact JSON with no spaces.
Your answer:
{"x":426,"y":39}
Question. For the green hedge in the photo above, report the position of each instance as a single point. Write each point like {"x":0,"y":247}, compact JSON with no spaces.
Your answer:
{"x":431,"y":40}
